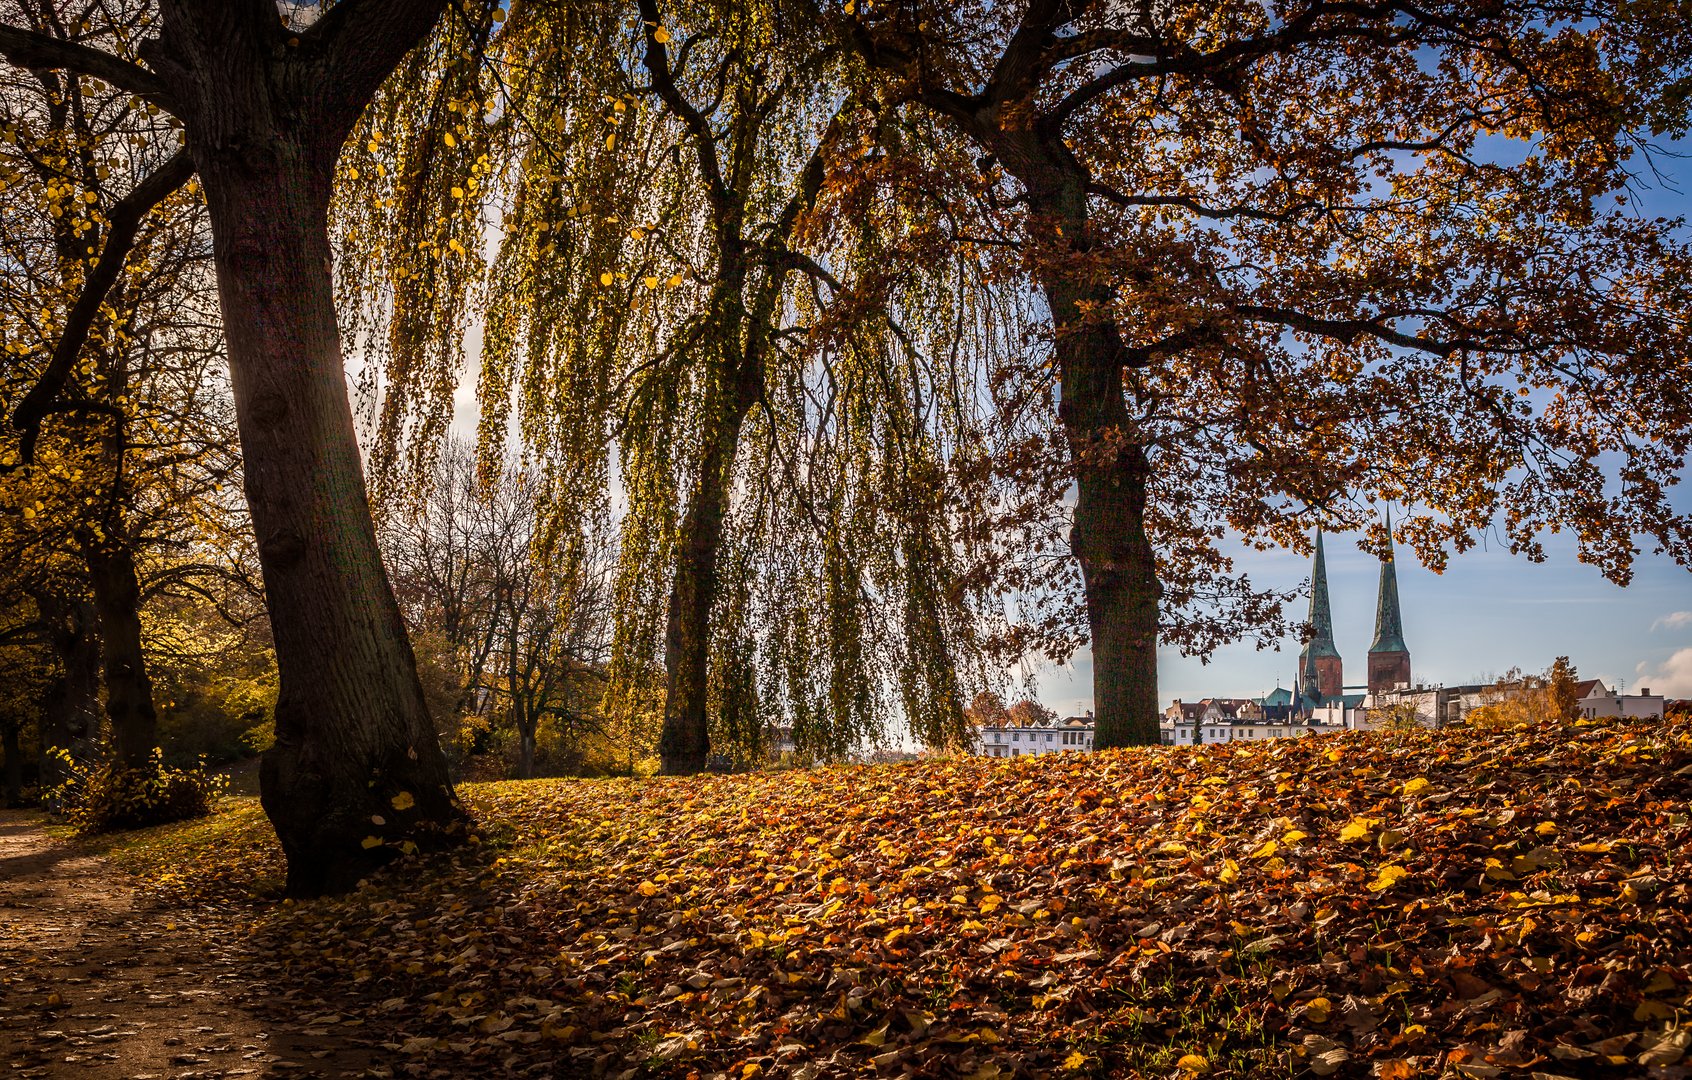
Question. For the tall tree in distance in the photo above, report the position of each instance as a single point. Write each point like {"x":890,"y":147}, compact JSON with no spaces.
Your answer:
{"x":265,"y":107}
{"x":142,"y":403}
{"x":1301,"y":256}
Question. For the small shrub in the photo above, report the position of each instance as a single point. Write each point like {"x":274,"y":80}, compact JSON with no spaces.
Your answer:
{"x":103,"y":796}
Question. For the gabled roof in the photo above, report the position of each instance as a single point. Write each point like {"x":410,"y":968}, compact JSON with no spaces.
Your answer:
{"x":1591,"y":688}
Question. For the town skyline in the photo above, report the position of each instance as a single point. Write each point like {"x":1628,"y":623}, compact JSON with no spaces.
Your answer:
{"x":1489,"y":612}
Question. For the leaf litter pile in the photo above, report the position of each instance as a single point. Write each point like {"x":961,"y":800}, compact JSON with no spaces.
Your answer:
{"x":1390,"y":905}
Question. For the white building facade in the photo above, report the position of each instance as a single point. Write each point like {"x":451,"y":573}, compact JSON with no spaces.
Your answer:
{"x":1012,"y":740}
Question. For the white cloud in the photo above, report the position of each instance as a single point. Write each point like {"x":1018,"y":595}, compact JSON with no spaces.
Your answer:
{"x":1674,"y":620}
{"x":1672,"y":679}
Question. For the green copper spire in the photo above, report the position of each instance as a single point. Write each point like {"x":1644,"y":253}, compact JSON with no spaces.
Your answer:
{"x":1321,"y":617}
{"x":1389,"y":628}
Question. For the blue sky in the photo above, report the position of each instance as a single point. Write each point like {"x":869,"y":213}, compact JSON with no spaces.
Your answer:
{"x":1490,"y":611}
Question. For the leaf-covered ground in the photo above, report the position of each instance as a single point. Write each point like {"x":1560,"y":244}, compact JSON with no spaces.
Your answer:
{"x":1388,"y":905}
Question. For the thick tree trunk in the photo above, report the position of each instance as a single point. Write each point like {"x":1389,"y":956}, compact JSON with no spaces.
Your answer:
{"x":684,"y":747}
{"x":129,"y":690}
{"x":1118,"y":569}
{"x":356,"y":756}
{"x":1112,"y":470}
{"x":356,"y":775}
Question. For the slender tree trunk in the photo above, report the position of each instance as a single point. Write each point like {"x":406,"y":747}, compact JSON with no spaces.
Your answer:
{"x":129,"y":690}
{"x":70,"y":711}
{"x":685,"y":745}
{"x":11,"y":744}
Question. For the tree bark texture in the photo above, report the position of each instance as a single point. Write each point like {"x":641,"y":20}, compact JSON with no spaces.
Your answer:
{"x":356,"y":756}
{"x":129,"y":689}
{"x":684,"y":747}
{"x":1112,"y":467}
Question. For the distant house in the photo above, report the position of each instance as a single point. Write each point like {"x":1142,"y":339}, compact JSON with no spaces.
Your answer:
{"x":1220,"y":720}
{"x":1599,"y":701}
{"x":1432,"y":706}
{"x":1071,"y":734}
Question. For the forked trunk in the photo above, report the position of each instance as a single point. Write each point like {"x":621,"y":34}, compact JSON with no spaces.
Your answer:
{"x":356,"y":774}
{"x":129,"y":690}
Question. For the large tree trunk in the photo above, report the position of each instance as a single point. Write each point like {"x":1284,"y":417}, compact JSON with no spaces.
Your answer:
{"x":356,"y":775}
{"x":526,"y":749}
{"x":1112,"y":468}
{"x":1108,"y":538}
{"x":129,"y":690}
{"x":685,"y":745}
{"x":354,"y":742}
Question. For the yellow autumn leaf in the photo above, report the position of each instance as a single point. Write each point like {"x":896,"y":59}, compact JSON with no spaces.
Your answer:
{"x":1293,"y":836}
{"x":1229,"y":872}
{"x":1193,"y":1065}
{"x":1317,"y":1010}
{"x":1075,"y":1062}
{"x":1357,"y":828}
{"x":372,"y":841}
{"x":1417,"y":786}
{"x":646,"y":888}
{"x":403,"y":801}
{"x":1597,"y":847}
{"x":650,"y":282}
{"x":675,"y":279}
{"x":661,"y":36}
{"x":449,"y":140}
{"x":1545,"y":828}
{"x":895,"y":934}
{"x":637,"y":233}
{"x":1269,"y":848}
{"x":1388,"y":877}
{"x":606,"y":278}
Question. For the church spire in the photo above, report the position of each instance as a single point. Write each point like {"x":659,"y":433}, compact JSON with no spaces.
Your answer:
{"x":1389,"y":657}
{"x":1389,"y":629}
{"x":1319,"y":662}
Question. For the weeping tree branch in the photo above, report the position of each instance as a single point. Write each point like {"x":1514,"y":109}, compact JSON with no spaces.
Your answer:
{"x":123,"y":224}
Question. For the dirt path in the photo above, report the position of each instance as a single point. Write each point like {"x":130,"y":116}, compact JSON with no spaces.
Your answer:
{"x":97,"y":982}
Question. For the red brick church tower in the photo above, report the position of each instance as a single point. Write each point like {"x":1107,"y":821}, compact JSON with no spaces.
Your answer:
{"x":1320,"y":672}
{"x":1389,"y":657}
